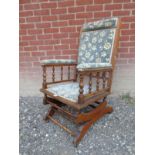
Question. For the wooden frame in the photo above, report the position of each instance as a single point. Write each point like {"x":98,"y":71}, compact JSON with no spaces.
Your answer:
{"x":95,"y":100}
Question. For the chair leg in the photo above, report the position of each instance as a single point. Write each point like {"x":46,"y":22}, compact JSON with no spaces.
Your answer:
{"x":51,"y":112}
{"x":104,"y":99}
{"x":87,"y":119}
{"x":44,"y":100}
{"x":82,"y":133}
{"x":94,"y":118}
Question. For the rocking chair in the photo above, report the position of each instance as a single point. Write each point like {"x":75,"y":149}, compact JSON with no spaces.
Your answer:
{"x":83,"y":87}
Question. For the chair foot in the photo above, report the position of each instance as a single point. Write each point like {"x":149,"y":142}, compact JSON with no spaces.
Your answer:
{"x":44,"y":101}
{"x":104,"y":99}
{"x":46,"y":119}
{"x":50,"y":113}
{"x":109,"y":109}
{"x":82,"y":133}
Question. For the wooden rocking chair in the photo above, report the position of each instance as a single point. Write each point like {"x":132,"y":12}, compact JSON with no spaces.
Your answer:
{"x":86,"y":84}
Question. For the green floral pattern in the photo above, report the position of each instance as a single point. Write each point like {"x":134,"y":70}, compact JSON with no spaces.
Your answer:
{"x":96,"y":43}
{"x":57,"y":61}
{"x":84,"y":66}
{"x":68,"y":90}
{"x":96,"y":46}
{"x":101,"y":24}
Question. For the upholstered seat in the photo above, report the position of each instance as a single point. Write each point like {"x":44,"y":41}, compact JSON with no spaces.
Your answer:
{"x":69,"y":90}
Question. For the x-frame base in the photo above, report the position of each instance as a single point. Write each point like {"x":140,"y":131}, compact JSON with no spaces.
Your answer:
{"x":84,"y":120}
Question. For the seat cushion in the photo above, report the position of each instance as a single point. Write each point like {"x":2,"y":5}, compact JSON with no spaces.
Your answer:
{"x":69,"y":90}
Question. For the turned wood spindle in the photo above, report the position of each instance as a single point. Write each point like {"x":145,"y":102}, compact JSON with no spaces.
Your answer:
{"x":44,"y":78}
{"x":81,"y":84}
{"x":109,"y":80}
{"x":104,"y":79}
{"x":53,"y":74}
{"x":61,"y":73}
{"x":97,"y":81}
{"x":90,"y":82}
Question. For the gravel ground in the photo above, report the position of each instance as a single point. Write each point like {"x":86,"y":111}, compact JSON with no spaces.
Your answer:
{"x":114,"y":134}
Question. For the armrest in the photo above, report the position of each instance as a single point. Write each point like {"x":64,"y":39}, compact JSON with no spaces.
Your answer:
{"x":93,"y":67}
{"x":99,"y":71}
{"x":58,"y":62}
{"x":54,"y":64}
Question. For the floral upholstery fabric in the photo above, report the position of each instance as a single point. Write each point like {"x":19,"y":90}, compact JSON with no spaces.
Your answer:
{"x":101,"y":24}
{"x":68,"y":91}
{"x":96,"y":46}
{"x":56,"y":61}
{"x":84,"y":66}
{"x":96,"y":43}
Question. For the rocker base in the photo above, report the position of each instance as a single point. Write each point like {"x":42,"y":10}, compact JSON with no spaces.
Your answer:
{"x":86,"y":120}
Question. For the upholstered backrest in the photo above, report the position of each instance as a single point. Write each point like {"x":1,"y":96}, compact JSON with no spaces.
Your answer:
{"x":97,"y":41}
